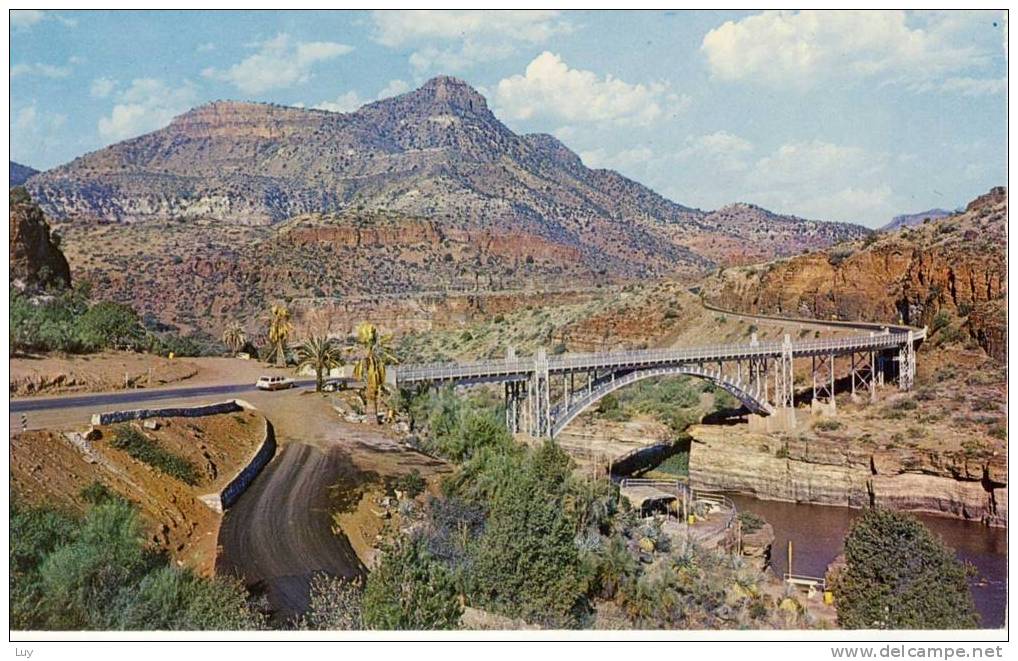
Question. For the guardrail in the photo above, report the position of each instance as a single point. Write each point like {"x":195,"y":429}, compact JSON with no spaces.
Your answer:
{"x":716,"y":498}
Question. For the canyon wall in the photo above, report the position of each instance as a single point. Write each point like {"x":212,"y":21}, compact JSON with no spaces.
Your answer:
{"x":843,"y":471}
{"x":956,"y":265}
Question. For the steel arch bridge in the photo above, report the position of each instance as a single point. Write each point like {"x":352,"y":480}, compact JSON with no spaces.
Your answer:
{"x":544,"y":394}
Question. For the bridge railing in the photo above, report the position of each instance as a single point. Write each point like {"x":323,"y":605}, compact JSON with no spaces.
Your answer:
{"x":586,"y":361}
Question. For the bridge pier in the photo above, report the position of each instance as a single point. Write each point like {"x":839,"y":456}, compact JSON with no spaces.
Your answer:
{"x":906,"y":363}
{"x":823,"y":386}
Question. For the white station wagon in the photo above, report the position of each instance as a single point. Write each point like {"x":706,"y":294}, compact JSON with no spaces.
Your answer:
{"x":273,"y":383}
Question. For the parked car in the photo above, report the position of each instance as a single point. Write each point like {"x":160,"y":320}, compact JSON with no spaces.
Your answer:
{"x":335,"y":385}
{"x":274,"y":383}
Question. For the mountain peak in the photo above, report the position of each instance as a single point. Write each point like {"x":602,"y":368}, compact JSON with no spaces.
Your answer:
{"x":453,"y":92}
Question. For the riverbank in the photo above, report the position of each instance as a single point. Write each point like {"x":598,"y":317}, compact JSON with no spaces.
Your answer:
{"x":817,"y":534}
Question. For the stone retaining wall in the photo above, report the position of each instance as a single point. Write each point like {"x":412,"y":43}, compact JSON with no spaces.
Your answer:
{"x":239,"y":484}
{"x":231,"y":492}
{"x":112,"y":417}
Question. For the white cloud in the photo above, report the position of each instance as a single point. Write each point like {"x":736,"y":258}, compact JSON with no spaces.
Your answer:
{"x":40,"y":69}
{"x":207,"y":47}
{"x":550,"y":88}
{"x":279,"y":63}
{"x":351,"y":100}
{"x":824,"y":180}
{"x":624,"y":160}
{"x":806,"y":163}
{"x":799,"y":49}
{"x":343,"y":103}
{"x":720,"y":149}
{"x":394,"y":88}
{"x":102,"y":87}
{"x":25,"y":18}
{"x":975,"y":86}
{"x":35,"y":135}
{"x":398,"y":28}
{"x":146,"y":105}
{"x":455,"y":40}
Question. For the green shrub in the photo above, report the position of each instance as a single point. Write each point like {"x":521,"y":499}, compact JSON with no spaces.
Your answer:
{"x":334,"y":604}
{"x":528,"y":520}
{"x":940,"y":320}
{"x":677,"y":464}
{"x":412,"y":484}
{"x":410,"y":590}
{"x":750,"y":522}
{"x":97,"y":493}
{"x":827,"y":424}
{"x":110,"y":325}
{"x":899,"y":575}
{"x":140,"y":447}
{"x":96,"y":574}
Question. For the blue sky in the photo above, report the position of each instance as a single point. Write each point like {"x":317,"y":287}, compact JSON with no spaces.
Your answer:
{"x":853,"y":116}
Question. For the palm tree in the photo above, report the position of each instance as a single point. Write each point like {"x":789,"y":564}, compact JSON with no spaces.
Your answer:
{"x":279,"y":330}
{"x":234,"y":337}
{"x":321,"y":354}
{"x":376,"y":353}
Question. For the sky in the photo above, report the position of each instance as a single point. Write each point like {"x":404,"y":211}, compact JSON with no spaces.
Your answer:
{"x":849,"y":116}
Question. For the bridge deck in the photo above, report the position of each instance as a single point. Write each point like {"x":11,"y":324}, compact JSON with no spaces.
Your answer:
{"x":521,"y":368}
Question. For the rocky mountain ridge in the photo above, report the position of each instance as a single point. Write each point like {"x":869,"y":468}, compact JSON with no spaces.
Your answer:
{"x":437,"y":152}
{"x":948,"y":274}
{"x":20,"y":174}
{"x":910,"y":219}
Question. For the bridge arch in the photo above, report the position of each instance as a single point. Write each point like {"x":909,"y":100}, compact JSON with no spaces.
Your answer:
{"x":750,"y":398}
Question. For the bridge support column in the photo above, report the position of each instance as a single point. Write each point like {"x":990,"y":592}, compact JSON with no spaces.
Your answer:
{"x":784,"y":387}
{"x":823,"y":385}
{"x":863,"y":374}
{"x":540,"y":397}
{"x":906,"y":364}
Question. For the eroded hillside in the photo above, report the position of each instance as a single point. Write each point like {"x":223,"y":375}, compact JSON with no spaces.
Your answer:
{"x":949,"y":274}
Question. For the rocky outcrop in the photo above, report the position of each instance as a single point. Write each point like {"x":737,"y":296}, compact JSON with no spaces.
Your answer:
{"x":36,"y":260}
{"x":956,"y":264}
{"x":836,"y":470}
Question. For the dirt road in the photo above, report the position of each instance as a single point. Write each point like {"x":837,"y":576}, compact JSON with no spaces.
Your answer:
{"x":279,"y":533}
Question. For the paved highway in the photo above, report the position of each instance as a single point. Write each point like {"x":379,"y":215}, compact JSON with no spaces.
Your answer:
{"x":117,"y":398}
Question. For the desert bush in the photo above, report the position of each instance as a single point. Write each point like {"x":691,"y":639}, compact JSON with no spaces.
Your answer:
{"x":527,"y":519}
{"x":334,"y":604}
{"x":409,"y":589}
{"x":412,"y":484}
{"x":827,"y":424}
{"x":899,"y":575}
{"x":750,"y":522}
{"x":95,"y":573}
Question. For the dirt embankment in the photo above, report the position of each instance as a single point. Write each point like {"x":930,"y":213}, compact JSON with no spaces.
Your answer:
{"x":48,"y":468}
{"x":55,"y":374}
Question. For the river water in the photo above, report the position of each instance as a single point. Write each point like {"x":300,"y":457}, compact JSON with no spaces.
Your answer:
{"x":817,"y":533}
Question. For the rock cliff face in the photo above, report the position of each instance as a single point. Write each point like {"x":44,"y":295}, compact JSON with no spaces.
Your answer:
{"x":840,"y":470}
{"x":956,"y":265}
{"x":36,"y":260}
